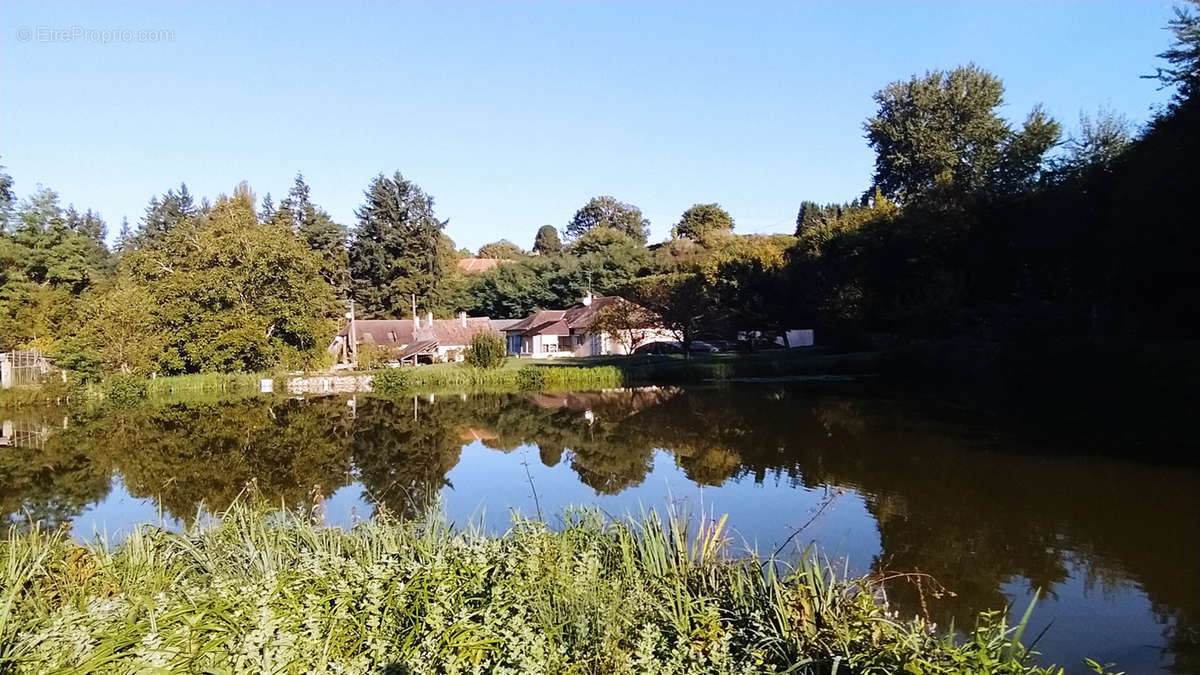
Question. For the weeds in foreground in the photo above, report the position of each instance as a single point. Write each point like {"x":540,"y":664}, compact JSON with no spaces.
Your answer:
{"x":271,"y":591}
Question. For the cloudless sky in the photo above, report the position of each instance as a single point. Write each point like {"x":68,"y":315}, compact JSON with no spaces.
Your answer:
{"x":513,"y":114}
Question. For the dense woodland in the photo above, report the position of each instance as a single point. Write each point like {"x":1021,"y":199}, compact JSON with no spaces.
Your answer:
{"x":971,"y":226}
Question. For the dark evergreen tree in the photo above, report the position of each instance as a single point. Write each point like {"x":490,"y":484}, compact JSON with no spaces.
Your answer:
{"x":163,"y":215}
{"x":318,"y":230}
{"x":398,"y":250}
{"x":547,"y":242}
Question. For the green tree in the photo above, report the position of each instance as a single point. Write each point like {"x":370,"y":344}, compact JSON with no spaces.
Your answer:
{"x":702,"y":221}
{"x":8,"y":199}
{"x":232,"y":294}
{"x":609,"y":259}
{"x":547,"y":242}
{"x":163,"y":215}
{"x":1101,"y":139}
{"x":609,"y":213}
{"x":1184,"y":55}
{"x":503,"y":249}
{"x":398,"y":249}
{"x":681,"y":300}
{"x":938,"y":138}
{"x":317,"y":229}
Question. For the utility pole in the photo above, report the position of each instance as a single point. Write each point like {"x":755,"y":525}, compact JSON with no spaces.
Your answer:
{"x":353,"y":339}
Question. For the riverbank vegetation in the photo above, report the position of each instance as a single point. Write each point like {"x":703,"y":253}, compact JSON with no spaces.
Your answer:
{"x":972,"y":226}
{"x":261,"y":591}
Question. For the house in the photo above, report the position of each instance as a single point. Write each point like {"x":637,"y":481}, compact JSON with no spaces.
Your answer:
{"x":425,"y":339}
{"x":552,"y":333}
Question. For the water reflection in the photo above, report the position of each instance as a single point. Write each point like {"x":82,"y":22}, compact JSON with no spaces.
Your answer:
{"x":989,"y":513}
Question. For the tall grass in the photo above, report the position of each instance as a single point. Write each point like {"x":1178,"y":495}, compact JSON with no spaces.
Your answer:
{"x":262,"y":591}
{"x":528,"y":378}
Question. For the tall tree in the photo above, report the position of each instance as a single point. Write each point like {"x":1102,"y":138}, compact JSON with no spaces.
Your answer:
{"x":230,"y":294}
{"x":681,"y":300}
{"x":315,"y":226}
{"x":7,"y":199}
{"x":398,"y":250}
{"x":1183,"y":73}
{"x":163,"y":215}
{"x":702,"y":221}
{"x":608,"y":212}
{"x":938,"y":137}
{"x":547,"y":242}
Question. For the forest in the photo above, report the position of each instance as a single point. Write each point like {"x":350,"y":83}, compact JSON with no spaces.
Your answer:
{"x":972,"y":226}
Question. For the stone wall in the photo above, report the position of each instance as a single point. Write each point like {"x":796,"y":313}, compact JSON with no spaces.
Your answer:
{"x":329,"y":384}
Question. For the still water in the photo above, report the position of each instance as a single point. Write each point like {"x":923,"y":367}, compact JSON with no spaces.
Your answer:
{"x":989,"y":510}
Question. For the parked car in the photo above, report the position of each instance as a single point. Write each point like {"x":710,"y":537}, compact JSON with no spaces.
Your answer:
{"x":662,"y":347}
{"x":702,"y":347}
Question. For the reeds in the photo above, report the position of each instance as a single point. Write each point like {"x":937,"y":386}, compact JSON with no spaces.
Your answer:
{"x":272,"y":591}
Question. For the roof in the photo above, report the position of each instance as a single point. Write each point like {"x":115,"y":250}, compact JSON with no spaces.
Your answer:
{"x":577,"y":318}
{"x":399,"y":332}
{"x":502,"y":325}
{"x":476,"y":265}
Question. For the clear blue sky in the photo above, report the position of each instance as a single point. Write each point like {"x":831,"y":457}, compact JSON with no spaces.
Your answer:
{"x":513,"y":114}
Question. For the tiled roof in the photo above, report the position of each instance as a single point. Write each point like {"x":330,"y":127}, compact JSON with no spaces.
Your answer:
{"x":399,"y":332}
{"x":476,"y":265}
{"x":578,"y":318}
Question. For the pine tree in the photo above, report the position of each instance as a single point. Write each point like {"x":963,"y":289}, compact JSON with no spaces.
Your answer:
{"x":399,"y":249}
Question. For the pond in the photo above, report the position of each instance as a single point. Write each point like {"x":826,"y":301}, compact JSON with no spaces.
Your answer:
{"x":989,"y":510}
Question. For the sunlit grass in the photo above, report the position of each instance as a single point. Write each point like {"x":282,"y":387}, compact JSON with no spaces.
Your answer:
{"x":262,"y":591}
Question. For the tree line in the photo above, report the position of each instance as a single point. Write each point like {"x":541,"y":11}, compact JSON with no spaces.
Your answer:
{"x":970,"y":225}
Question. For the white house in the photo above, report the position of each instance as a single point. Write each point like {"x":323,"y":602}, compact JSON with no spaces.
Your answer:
{"x":552,"y":333}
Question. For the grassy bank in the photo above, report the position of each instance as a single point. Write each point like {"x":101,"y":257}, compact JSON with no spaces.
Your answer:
{"x":514,"y":376}
{"x":262,"y":592}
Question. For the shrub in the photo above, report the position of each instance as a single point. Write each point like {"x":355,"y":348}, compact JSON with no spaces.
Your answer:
{"x":125,"y":390}
{"x":487,"y":350}
{"x":531,"y":378}
{"x":391,"y":382}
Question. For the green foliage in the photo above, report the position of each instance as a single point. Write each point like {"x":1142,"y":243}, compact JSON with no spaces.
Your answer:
{"x":316,"y":228}
{"x":531,"y":378}
{"x":1184,"y":55}
{"x":391,"y":382}
{"x":125,"y":390}
{"x":938,"y":138}
{"x":269,"y":591}
{"x":48,"y":258}
{"x":503,"y":249}
{"x":701,"y":221}
{"x":218,"y":293}
{"x":487,"y":350}
{"x":607,"y":212}
{"x":547,"y":242}
{"x":398,"y":250}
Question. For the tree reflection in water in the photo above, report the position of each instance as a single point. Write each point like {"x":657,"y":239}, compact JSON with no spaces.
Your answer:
{"x":952,"y":496}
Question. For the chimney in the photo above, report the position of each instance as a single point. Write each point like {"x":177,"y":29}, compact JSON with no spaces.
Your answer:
{"x":416,"y":321}
{"x":587,"y":298}
{"x":462,"y":318}
{"x":429,"y":318}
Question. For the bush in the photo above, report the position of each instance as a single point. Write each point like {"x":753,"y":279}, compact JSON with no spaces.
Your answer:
{"x":391,"y":382}
{"x":125,"y":390}
{"x":487,"y":350}
{"x":531,"y":378}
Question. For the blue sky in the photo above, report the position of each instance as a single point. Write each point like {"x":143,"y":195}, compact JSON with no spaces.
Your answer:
{"x":513,"y":114}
